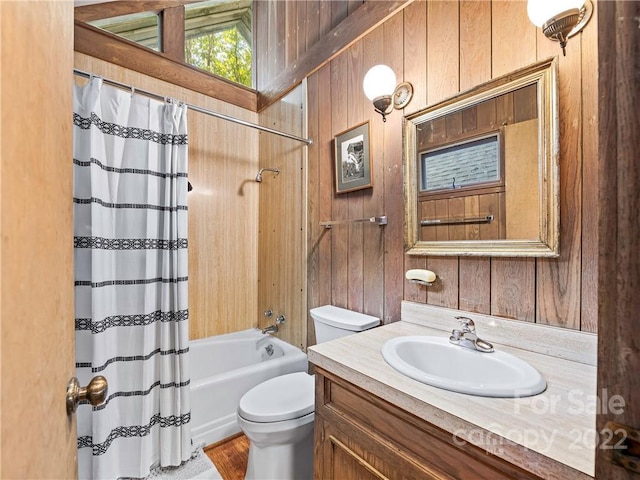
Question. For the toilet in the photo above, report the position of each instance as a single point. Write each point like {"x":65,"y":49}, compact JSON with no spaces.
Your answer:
{"x":277,"y":415}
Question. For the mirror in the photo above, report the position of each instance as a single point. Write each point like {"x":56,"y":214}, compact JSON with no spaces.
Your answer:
{"x":481,"y":169}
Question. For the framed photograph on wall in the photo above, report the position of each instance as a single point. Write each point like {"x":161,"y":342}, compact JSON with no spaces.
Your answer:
{"x":353,"y":159}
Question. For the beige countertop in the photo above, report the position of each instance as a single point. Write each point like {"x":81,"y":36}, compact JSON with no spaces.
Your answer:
{"x":551,"y":434}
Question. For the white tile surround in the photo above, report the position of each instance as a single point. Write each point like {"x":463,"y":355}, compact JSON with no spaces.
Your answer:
{"x":551,"y":434}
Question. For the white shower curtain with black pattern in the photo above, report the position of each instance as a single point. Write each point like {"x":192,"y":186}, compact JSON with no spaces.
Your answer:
{"x":130,"y":253}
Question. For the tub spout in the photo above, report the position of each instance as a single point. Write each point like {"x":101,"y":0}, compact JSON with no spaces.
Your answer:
{"x":270,"y":329}
{"x":275,"y":327}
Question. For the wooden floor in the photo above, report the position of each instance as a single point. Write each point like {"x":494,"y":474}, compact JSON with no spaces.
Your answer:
{"x":230,"y":456}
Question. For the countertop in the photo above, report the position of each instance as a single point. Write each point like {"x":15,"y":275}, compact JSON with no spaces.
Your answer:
{"x":551,"y":434}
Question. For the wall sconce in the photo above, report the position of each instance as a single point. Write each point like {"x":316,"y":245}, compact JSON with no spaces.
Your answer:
{"x":379,"y":86}
{"x":560,"y":19}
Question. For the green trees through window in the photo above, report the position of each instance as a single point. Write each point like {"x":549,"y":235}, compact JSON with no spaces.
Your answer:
{"x":225,"y":53}
{"x":217,"y":35}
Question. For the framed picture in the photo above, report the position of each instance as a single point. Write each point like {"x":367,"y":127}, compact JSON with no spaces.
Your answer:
{"x":353,"y":159}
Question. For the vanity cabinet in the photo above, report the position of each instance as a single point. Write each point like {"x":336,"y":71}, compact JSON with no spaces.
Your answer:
{"x":359,"y":436}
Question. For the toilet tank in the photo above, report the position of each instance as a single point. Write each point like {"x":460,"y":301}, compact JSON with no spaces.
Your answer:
{"x":332,"y":322}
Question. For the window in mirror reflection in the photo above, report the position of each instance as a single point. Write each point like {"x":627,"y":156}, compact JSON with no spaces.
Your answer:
{"x":462,"y":165}
{"x":480,"y":162}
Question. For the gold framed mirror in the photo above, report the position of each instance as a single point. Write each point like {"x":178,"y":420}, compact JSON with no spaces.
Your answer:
{"x":481,"y":169}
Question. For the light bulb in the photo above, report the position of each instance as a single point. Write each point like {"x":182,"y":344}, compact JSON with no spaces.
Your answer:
{"x":541,"y":11}
{"x":378,"y":82}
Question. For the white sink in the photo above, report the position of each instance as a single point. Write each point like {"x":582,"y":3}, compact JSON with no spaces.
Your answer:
{"x":439,"y":363}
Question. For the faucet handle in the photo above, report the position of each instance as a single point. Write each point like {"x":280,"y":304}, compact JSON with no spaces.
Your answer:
{"x":456,"y":336}
{"x":467,"y":324}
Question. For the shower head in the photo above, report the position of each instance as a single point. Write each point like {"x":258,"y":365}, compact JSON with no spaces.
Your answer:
{"x":259,"y":176}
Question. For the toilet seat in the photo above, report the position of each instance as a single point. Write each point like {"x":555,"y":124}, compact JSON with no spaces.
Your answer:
{"x":281,"y":398}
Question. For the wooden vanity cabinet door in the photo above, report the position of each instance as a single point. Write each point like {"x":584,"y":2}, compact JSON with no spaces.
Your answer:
{"x":346,"y":454}
{"x":360,"y":437}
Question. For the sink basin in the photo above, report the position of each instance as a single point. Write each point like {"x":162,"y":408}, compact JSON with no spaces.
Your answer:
{"x":439,"y":363}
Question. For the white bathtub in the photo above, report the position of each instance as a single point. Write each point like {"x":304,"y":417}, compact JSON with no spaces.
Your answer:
{"x":225,"y":367}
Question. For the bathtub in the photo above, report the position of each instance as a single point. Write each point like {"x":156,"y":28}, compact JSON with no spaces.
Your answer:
{"x":225,"y":367}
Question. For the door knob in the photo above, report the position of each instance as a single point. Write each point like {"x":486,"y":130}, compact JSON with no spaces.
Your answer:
{"x":95,"y":393}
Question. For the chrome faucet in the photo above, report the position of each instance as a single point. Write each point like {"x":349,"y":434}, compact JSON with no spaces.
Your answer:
{"x":270,"y":329}
{"x":466,"y":336}
{"x":280,"y":319}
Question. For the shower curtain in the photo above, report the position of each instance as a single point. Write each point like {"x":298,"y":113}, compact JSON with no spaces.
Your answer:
{"x":130,"y":254}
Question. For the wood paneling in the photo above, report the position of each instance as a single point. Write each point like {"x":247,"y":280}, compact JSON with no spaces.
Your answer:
{"x":618,"y":172}
{"x":590,"y":210}
{"x":513,"y":288}
{"x":96,"y":11}
{"x":314,"y":230}
{"x":521,"y":158}
{"x":445,"y":290}
{"x":489,"y":40}
{"x":282,"y":212}
{"x":475,"y":42}
{"x":393,"y":179}
{"x":340,"y":203}
{"x":513,"y":37}
{"x":326,"y":183}
{"x":172,"y":30}
{"x":355,"y":209}
{"x":513,"y":285}
{"x":458,"y":207}
{"x":37,"y":439}
{"x":373,"y":199}
{"x":559,"y":281}
{"x":474,"y":285}
{"x":475,"y":68}
{"x":415,"y":53}
{"x":320,"y":258}
{"x":346,"y":25}
{"x":443,"y":43}
{"x":223,"y":206}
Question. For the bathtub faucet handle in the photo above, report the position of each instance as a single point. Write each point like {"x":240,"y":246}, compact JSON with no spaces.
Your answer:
{"x":268,"y":313}
{"x":280,"y":319}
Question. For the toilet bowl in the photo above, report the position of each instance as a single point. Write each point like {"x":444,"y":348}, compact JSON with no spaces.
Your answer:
{"x":277,"y":418}
{"x":277,"y":415}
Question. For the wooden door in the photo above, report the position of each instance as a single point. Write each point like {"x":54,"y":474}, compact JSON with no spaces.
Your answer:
{"x":38,"y":440}
{"x":619,"y":229}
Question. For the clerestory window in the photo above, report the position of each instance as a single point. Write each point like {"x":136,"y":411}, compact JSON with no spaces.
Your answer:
{"x":217,"y":36}
{"x":142,"y":28}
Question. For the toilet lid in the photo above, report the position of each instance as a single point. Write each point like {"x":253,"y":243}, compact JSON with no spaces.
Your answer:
{"x":280,"y":398}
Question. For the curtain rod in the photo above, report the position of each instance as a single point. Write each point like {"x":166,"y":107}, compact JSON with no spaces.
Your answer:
{"x":222,"y":116}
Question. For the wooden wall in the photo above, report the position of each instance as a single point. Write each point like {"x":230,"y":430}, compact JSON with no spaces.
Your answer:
{"x":362,"y":266}
{"x":223,"y":206}
{"x":442,"y":48}
{"x":282,"y":232}
{"x":287,"y":29}
{"x":619,"y":194}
